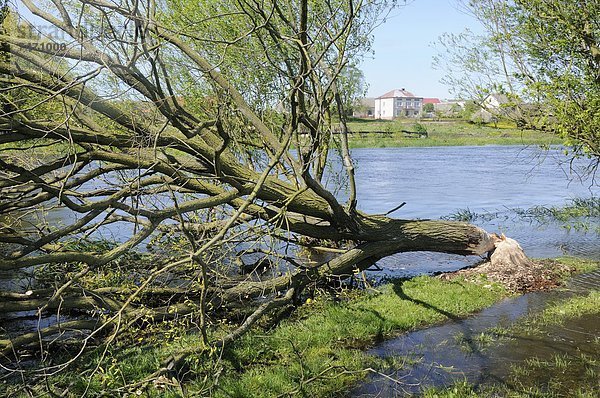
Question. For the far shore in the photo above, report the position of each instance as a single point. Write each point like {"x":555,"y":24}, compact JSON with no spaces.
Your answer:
{"x":371,"y":133}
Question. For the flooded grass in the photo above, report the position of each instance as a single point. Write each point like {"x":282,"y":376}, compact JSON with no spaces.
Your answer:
{"x":318,"y":352}
{"x":580,"y":214}
{"x":577,"y":214}
{"x":549,"y":372}
{"x":573,"y":374}
{"x":321,"y":353}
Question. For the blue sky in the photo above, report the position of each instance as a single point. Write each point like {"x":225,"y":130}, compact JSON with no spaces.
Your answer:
{"x":404,"y":48}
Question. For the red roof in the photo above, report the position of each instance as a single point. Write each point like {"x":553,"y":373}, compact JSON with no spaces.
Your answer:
{"x":431,"y":101}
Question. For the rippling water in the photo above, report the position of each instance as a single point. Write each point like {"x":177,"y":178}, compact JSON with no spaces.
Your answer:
{"x":439,"y":181}
{"x":492,"y":180}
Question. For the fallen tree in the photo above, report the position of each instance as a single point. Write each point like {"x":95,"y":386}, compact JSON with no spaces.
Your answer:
{"x":199,"y":137}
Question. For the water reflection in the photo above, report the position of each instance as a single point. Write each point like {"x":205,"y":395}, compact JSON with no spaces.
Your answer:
{"x":450,"y":352}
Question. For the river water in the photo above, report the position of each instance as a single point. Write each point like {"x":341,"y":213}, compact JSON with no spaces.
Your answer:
{"x":452,"y":352}
{"x":494,"y":181}
{"x":436,"y":182}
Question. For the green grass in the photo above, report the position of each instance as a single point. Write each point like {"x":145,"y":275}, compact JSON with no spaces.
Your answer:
{"x":322,"y":354}
{"x":580,"y":214}
{"x":318,"y":352}
{"x":559,"y":314}
{"x":447,"y":133}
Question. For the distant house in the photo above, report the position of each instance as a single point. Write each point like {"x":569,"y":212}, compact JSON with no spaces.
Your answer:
{"x":364,"y":107}
{"x":429,"y":106}
{"x":494,"y":101}
{"x":449,"y":108}
{"x":398,"y":103}
{"x":494,"y":106}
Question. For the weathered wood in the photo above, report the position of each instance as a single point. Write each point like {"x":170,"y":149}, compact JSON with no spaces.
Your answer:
{"x":509,"y":255}
{"x":7,"y":347}
{"x":222,"y":151}
{"x":509,"y":266}
{"x":388,"y":236}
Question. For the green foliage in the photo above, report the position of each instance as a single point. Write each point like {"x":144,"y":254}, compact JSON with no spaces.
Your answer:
{"x":578,"y":214}
{"x":428,"y":108}
{"x":257,"y":64}
{"x":544,"y":54}
{"x":419,"y":128}
{"x":352,"y":86}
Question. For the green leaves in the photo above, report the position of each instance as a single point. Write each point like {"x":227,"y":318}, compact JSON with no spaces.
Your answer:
{"x":544,"y":53}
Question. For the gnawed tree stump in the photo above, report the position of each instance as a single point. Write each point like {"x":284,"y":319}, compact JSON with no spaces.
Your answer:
{"x":509,"y":255}
{"x":509,"y":266}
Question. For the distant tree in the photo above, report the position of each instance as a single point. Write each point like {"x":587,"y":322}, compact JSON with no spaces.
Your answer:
{"x":467,"y":111}
{"x":428,"y":108}
{"x":544,"y":54}
{"x":352,"y":86}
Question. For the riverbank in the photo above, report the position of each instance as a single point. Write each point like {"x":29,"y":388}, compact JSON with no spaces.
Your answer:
{"x":367,"y":133}
{"x":319,"y":351}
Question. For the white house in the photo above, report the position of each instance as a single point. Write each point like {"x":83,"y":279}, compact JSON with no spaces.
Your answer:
{"x":398,"y":103}
{"x":494,"y":102}
{"x":494,"y":106}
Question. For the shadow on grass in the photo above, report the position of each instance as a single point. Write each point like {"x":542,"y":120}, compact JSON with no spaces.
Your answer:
{"x":397,"y":287}
{"x":469,"y":339}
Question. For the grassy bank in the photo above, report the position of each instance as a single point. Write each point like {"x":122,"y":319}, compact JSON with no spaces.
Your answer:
{"x":318,"y":352}
{"x":573,"y":374}
{"x":446,"y":133}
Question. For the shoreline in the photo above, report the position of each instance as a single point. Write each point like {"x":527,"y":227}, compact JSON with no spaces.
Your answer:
{"x":319,"y":351}
{"x":402,"y":306}
{"x":442,"y":133}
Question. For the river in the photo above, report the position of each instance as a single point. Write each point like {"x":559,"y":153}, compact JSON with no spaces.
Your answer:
{"x":435,"y":182}
{"x":493,"y":181}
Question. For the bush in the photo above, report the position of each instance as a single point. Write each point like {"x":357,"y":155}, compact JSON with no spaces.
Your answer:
{"x":419,"y":128}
